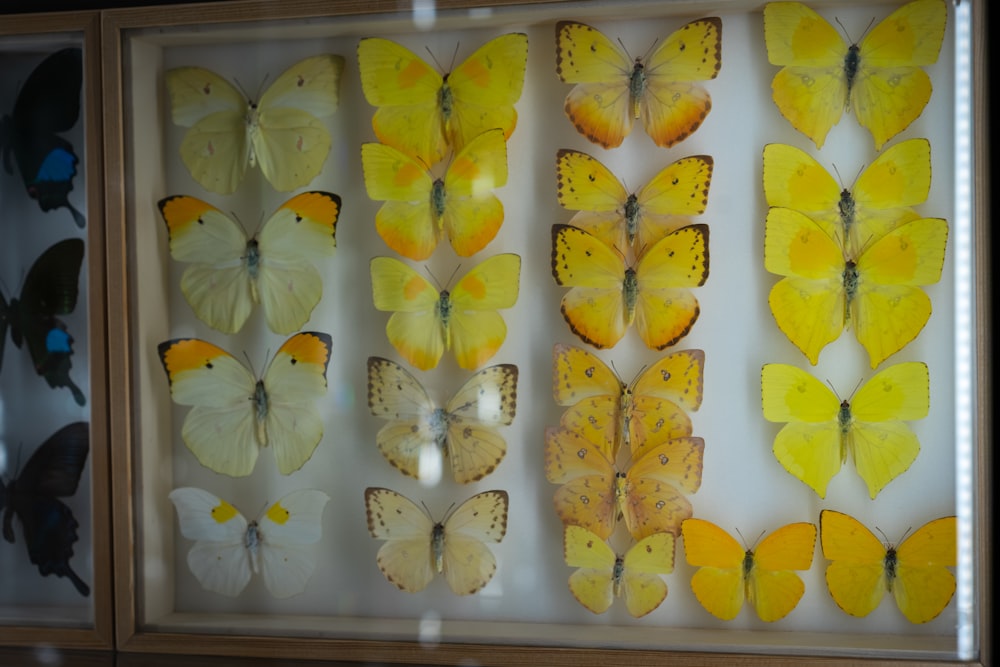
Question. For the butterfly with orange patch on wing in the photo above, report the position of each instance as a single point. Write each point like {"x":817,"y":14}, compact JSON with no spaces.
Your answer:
{"x":881,"y":78}
{"x":613,"y":90}
{"x":639,"y":219}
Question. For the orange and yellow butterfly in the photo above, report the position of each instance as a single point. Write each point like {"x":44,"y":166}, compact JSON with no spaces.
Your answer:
{"x":612,"y":90}
{"x":863,"y":568}
{"x":879,"y":201}
{"x":282,"y":131}
{"x":422,"y":113}
{"x":648,"y":494}
{"x":880,"y":78}
{"x":605,"y":410}
{"x":234,"y":414}
{"x":607,"y":296}
{"x":728,"y":574}
{"x":821,"y":430}
{"x":636,"y":220}
{"x":877,"y":292}
{"x":230,"y":272}
{"x":464,"y":430}
{"x":416,"y":547}
{"x":604,"y":575}
{"x":419,"y":208}
{"x":425,"y":322}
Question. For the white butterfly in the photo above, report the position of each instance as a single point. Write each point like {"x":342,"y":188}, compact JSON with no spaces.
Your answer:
{"x":464,"y":430}
{"x":417,"y":547}
{"x":227,"y":548}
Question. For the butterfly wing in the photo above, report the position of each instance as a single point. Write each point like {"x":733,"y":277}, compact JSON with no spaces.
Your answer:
{"x":592,"y":392}
{"x":586,"y":471}
{"x":592,"y":584}
{"x":487,"y":400}
{"x":289,"y":285}
{"x":662,"y":472}
{"x":900,"y":177}
{"x":585,"y":185}
{"x":219,"y":559}
{"x":405,"y":558}
{"x":289,"y":140}
{"x":924,"y":586}
{"x":476,"y":330}
{"x":407,"y":221}
{"x":468,"y":562}
{"x":285,"y":530}
{"x":856,"y":576}
{"x":644,"y":562}
{"x":679,"y":189}
{"x":415,"y":429}
{"x":773,"y":587}
{"x":718,"y":582}
{"x":415,"y":327}
{"x":472,"y":213}
{"x":794,"y":179}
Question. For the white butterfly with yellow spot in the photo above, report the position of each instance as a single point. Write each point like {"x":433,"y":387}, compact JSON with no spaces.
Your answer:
{"x":227,"y":547}
{"x":417,"y":547}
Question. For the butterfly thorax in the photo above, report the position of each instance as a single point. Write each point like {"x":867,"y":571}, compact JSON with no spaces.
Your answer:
{"x":446,"y":101}
{"x":851,"y":279}
{"x":438,"y":425}
{"x":437,"y":547}
{"x":846,"y":208}
{"x":630,"y":294}
{"x":632,"y":217}
{"x":844,"y":421}
{"x":260,"y":411}
{"x":747,"y":571}
{"x":618,"y":575}
{"x":437,"y":199}
{"x":253,"y":129}
{"x":625,"y":407}
{"x":637,"y":86}
{"x":252,"y":541}
{"x":621,"y":487}
{"x":889,"y":565}
{"x":444,"y":316}
{"x":252,"y":262}
{"x":851,"y":63}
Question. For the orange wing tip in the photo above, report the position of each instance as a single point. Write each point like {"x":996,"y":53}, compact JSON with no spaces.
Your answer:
{"x":317,"y":206}
{"x":184,"y":354}
{"x":181,"y":211}
{"x":311,"y":347}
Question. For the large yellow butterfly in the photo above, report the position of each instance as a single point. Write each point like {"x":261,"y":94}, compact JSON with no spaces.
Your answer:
{"x":822,"y":430}
{"x":877,"y":293}
{"x":648,"y":494}
{"x":425,"y":323}
{"x":417,"y":547}
{"x":229,"y":273}
{"x":227,"y":547}
{"x":422,"y":113}
{"x":863,"y":568}
{"x":283,"y":131}
{"x":764,"y":576}
{"x":604,"y":575}
{"x":419,"y":208}
{"x":605,"y":410}
{"x":613,"y":91}
{"x":234,"y":414}
{"x":607,"y":296}
{"x":880,"y":200}
{"x":419,"y":432}
{"x":625,"y":219}
{"x":880,"y":78}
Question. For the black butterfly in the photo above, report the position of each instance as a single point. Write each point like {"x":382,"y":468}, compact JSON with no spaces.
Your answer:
{"x":49,"y":526}
{"x":49,"y":102}
{"x":50,"y":289}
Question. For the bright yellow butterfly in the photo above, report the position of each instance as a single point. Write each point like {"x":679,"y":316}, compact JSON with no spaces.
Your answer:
{"x":613,"y":91}
{"x":636,"y":220}
{"x":422,"y":113}
{"x":604,"y":575}
{"x":425,"y":323}
{"x":728,"y":574}
{"x":419,"y":208}
{"x":464,"y":430}
{"x":879,"y":201}
{"x":607,"y":296}
{"x":648,"y":494}
{"x":229,"y":272}
{"x":283,"y":131}
{"x":877,"y":293}
{"x":880,"y":78}
{"x":822,"y":430}
{"x":417,"y":547}
{"x":605,"y":410}
{"x":234,"y":414}
{"x":863,"y":568}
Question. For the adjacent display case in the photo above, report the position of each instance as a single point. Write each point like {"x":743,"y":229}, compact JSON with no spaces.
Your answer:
{"x":347,"y":569}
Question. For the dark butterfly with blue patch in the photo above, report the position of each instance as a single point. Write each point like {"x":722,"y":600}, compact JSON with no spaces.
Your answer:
{"x":48,"y":103}
{"x":48,"y":525}
{"x":50,"y":290}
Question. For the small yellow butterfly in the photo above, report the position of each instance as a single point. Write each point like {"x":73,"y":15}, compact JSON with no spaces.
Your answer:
{"x":464,"y":430}
{"x":607,"y":296}
{"x":880,"y":78}
{"x":822,"y":430}
{"x":422,"y":113}
{"x":419,"y":208}
{"x":764,"y":576}
{"x":863,"y":568}
{"x":417,"y":547}
{"x":425,"y":323}
{"x":880,"y":200}
{"x":283,"y":131}
{"x":605,"y":410}
{"x":636,"y":220}
{"x":229,"y":272}
{"x":648,"y":494}
{"x":612,"y":90}
{"x":234,"y":414}
{"x":604,"y":575}
{"x":877,"y":293}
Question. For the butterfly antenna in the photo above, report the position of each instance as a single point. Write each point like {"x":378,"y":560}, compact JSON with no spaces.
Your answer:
{"x":434,"y":58}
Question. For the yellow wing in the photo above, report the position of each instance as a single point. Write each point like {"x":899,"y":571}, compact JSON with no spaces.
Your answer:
{"x":773,"y":587}
{"x":405,"y":559}
{"x":924,"y":586}
{"x":718,"y":582}
{"x":588,"y":495}
{"x":466,"y":562}
{"x":662,"y":472}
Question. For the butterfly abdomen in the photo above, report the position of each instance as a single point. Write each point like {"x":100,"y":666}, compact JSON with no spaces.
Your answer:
{"x":252,"y":542}
{"x":437,"y":547}
{"x":632,"y":211}
{"x":637,"y":87}
{"x":852,"y":61}
{"x":260,"y":411}
{"x":630,"y":294}
{"x":438,"y":200}
{"x":890,"y":562}
{"x":618,"y":575}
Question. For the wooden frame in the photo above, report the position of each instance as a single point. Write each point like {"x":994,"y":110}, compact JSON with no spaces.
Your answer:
{"x":253,"y":636}
{"x":99,"y":633}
